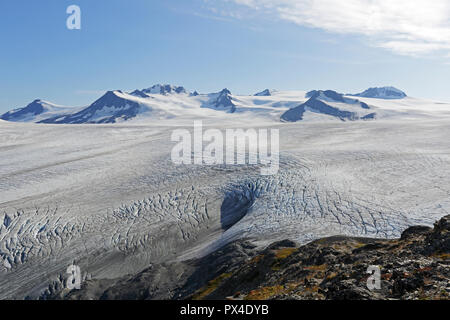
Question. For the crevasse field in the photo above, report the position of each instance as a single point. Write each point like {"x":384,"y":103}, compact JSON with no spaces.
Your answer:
{"x":108,"y":197}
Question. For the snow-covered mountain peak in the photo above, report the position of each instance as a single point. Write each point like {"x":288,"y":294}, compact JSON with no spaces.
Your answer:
{"x":167,"y":102}
{"x":164,"y":89}
{"x":331,"y":104}
{"x":139,"y":93}
{"x":113,"y":106}
{"x":221,"y":101}
{"x":33,"y":111}
{"x":265,"y":93}
{"x":326,"y":95}
{"x":225,"y":92}
{"x":113,"y":94}
{"x":382,"y":93}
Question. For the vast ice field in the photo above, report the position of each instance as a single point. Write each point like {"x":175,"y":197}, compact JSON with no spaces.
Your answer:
{"x":109,"y":199}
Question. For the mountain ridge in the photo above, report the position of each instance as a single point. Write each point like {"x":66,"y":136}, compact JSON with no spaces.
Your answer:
{"x":33,"y":111}
{"x":319,"y":102}
{"x":166,"y":101}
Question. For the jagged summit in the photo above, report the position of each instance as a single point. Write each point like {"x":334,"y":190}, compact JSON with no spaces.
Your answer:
{"x":265,"y":93}
{"x":139,"y":93}
{"x":221,"y":101}
{"x":382,"y":93}
{"x":164,"y":89}
{"x":225,"y":92}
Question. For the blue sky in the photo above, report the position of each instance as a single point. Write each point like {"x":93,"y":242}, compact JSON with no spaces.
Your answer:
{"x":244,"y":45}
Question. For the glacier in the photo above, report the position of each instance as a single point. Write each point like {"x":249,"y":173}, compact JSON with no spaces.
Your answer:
{"x":107,"y":197}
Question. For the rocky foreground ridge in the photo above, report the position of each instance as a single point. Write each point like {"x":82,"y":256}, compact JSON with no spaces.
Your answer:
{"x":416,"y":266}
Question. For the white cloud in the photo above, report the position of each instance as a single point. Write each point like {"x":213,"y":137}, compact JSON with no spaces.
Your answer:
{"x":412,"y":27}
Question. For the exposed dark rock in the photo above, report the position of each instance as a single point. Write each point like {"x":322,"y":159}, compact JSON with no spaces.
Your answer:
{"x":139,"y":93}
{"x":221,"y":101}
{"x":264,"y":93}
{"x":439,"y":239}
{"x":415,"y":231}
{"x":327,"y":93}
{"x":294,"y":114}
{"x":416,"y":266}
{"x":370,"y":116}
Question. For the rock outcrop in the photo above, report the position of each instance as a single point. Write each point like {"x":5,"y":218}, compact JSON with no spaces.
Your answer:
{"x":416,"y":266}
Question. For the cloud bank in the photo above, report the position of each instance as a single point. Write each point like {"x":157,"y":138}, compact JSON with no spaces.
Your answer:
{"x":409,"y":27}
